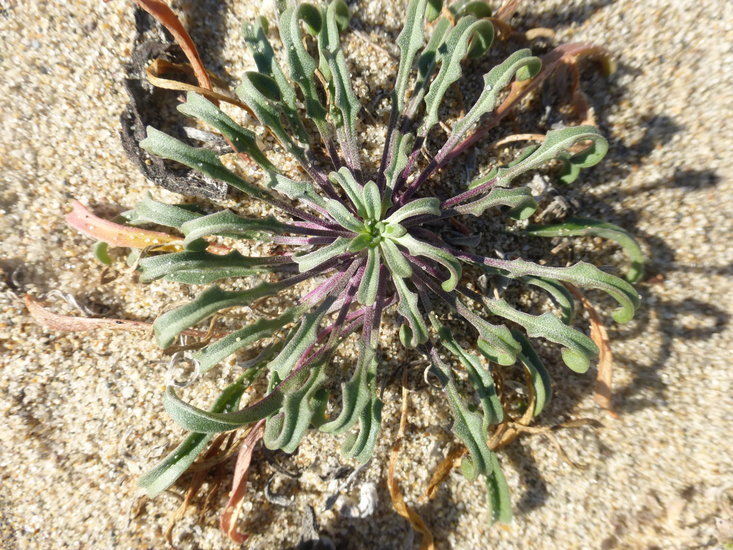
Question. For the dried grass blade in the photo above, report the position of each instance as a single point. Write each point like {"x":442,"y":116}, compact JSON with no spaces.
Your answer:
{"x":442,"y":471}
{"x":239,"y":485}
{"x":159,"y":66}
{"x":196,"y":482}
{"x":603,"y":392}
{"x":165,"y":16}
{"x":395,"y":491}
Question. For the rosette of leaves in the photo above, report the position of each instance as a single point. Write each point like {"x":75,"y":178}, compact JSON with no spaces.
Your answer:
{"x":372,"y":244}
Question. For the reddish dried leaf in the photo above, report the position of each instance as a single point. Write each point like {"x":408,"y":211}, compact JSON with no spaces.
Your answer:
{"x":114,"y":234}
{"x":239,"y":485}
{"x":165,"y":16}
{"x":603,"y":390}
{"x":70,"y":323}
{"x":442,"y":471}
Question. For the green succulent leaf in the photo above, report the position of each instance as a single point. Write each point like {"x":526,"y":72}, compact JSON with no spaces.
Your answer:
{"x":520,"y":65}
{"x":456,"y":47}
{"x":586,"y":226}
{"x":578,"y":350}
{"x":343,"y":99}
{"x":285,"y":430}
{"x":369,"y":285}
{"x":202,"y":160}
{"x":343,"y":217}
{"x":396,"y":262}
{"x":345,"y":179}
{"x":169,"y":325}
{"x":357,"y":393}
{"x":243,"y":140}
{"x":447,"y":260}
{"x":311,"y":260}
{"x":468,"y":426}
{"x":479,"y":376}
{"x":229,"y":224}
{"x":409,"y":41}
{"x":180,"y":459}
{"x":360,"y":445}
{"x":219,"y":350}
{"x":202,"y":267}
{"x":151,"y":211}
{"x":262,"y":94}
{"x":556,"y":145}
{"x":583,"y":275}
{"x":302,"y":65}
{"x":520,"y":200}
{"x":559,"y":293}
{"x":541,"y":383}
{"x":428,"y":206}
{"x":264,"y":57}
{"x":409,"y":310}
{"x":296,"y":190}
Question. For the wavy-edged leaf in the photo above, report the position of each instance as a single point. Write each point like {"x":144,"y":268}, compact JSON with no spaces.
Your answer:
{"x":200,"y":421}
{"x":264,"y":57}
{"x":480,"y":377}
{"x":520,"y":64}
{"x":519,"y":199}
{"x":262,"y":94}
{"x":446,"y":259}
{"x":301,"y":337}
{"x":344,"y":104}
{"x":428,"y":206}
{"x":587,"y":226}
{"x":369,"y":284}
{"x":541,"y":382}
{"x":173,"y":466}
{"x":243,"y":140}
{"x":203,"y":267}
{"x":409,"y":41}
{"x":455,"y":49}
{"x":578,"y":350}
{"x":227,"y":223}
{"x":151,"y":211}
{"x":219,"y":350}
{"x":295,"y":190}
{"x":556,"y":145}
{"x":311,"y":260}
{"x":495,"y":342}
{"x":468,"y":426}
{"x":169,"y":325}
{"x":199,"y":159}
{"x":402,"y":144}
{"x":407,"y":307}
{"x":286,"y":429}
{"x":356,"y":393}
{"x":583,"y":275}
{"x":560,"y":295}
{"x":302,"y":65}
{"x":360,"y":445}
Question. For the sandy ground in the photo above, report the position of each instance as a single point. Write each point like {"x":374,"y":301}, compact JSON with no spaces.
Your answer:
{"x":82,"y":415}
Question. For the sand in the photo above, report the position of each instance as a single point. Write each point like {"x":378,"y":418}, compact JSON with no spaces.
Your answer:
{"x":82,"y":413}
